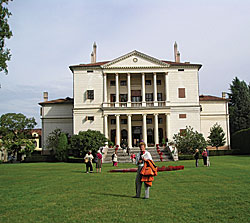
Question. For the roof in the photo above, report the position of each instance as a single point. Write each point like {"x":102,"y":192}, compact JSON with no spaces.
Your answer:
{"x":211,"y":98}
{"x":67,"y":100}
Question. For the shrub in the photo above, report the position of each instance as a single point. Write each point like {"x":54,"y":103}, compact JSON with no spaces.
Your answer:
{"x":241,"y":141}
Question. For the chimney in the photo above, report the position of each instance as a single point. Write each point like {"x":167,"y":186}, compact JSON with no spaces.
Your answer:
{"x":224,"y":95}
{"x":94,"y":51}
{"x":92,"y":57}
{"x":178,"y":57}
{"x":45,"y":96}
{"x":175,"y":51}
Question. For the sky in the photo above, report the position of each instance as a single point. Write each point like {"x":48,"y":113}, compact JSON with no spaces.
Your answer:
{"x":51,"y":35}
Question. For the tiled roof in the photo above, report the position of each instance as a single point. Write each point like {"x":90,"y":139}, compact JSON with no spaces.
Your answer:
{"x":211,"y":98}
{"x":67,"y":100}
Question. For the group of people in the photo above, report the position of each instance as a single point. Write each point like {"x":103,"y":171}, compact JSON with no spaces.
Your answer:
{"x":205,"y":157}
{"x":88,"y":160}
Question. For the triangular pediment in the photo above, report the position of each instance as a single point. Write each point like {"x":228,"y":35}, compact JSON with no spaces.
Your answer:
{"x":135,"y":59}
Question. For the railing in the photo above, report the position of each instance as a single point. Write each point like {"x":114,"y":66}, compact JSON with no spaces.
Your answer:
{"x":133,"y":104}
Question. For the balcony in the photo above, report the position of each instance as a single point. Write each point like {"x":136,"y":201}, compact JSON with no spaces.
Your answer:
{"x":133,"y":104}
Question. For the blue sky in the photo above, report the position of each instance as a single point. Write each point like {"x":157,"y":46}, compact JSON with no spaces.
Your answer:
{"x":50,"y":35}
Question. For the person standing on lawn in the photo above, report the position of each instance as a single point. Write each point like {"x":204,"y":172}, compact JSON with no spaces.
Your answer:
{"x":99,"y":161}
{"x":196,"y":156}
{"x":88,"y":160}
{"x":141,"y":158}
{"x":204,"y":156}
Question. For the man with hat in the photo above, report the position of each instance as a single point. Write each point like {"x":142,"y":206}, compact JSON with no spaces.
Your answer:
{"x":141,"y":157}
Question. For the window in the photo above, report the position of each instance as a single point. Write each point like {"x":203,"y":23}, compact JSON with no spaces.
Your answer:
{"x":113,"y":121}
{"x":90,"y":118}
{"x":159,"y":97}
{"x":123,"y":83}
{"x":90,"y":94}
{"x":180,"y":69}
{"x":182,"y":132}
{"x":182,"y":115}
{"x":158,"y":82}
{"x":123,"y":97}
{"x":112,"y":97}
{"x":112,"y":83}
{"x":149,"y":96}
{"x":90,"y":71}
{"x":149,"y":120}
{"x":124,"y":121}
{"x":148,"y":82}
{"x":160,"y":120}
{"x":181,"y":92}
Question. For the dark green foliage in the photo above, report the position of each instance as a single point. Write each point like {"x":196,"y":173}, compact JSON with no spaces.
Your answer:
{"x":53,"y":140}
{"x":5,"y":33}
{"x":217,"y":136}
{"x":241,"y":141}
{"x":189,"y":141}
{"x":15,"y":133}
{"x":239,"y":106}
{"x":185,"y":157}
{"x":61,"y":153}
{"x":87,"y":140}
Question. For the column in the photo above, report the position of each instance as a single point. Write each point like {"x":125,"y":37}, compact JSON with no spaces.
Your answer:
{"x":116,"y":90}
{"x":105,"y":89}
{"x":118,"y":130}
{"x":155,"y":90}
{"x":106,"y":133}
{"x":166,"y":89}
{"x":168,"y":125}
{"x":156,"y":129}
{"x":129,"y":90}
{"x":144,"y":129}
{"x":129,"y":131}
{"x":143,"y":89}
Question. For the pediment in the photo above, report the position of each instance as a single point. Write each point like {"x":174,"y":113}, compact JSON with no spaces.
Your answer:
{"x":135,"y":59}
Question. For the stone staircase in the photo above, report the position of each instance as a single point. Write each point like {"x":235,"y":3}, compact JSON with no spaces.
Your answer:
{"x":125,"y":158}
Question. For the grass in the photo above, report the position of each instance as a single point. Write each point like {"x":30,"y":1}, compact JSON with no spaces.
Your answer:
{"x":62,"y":192}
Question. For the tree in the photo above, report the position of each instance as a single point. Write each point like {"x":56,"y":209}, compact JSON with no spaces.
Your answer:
{"x":189,"y":140}
{"x":87,"y":140}
{"x":61,"y":153}
{"x":239,"y":105}
{"x":15,"y":133}
{"x":217,"y":136}
{"x":5,"y":33}
{"x":52,"y":141}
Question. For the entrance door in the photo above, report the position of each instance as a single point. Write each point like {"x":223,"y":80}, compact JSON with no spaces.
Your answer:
{"x":113,"y":135}
{"x":136,"y":135}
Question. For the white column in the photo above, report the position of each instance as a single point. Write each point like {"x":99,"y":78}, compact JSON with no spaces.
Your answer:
{"x":106,"y":133}
{"x":105,"y":88}
{"x":118,"y":130}
{"x":129,"y":131}
{"x":166,"y":88}
{"x":168,"y":125}
{"x":116,"y":90}
{"x":155,"y":90}
{"x":156,"y":129}
{"x":129,"y":90}
{"x":144,"y":129}
{"x":143,"y":90}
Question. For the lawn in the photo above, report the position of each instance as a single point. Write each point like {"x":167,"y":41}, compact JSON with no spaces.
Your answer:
{"x":62,"y":192}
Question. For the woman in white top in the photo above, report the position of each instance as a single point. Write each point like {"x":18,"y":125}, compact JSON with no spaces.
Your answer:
{"x":88,"y":160}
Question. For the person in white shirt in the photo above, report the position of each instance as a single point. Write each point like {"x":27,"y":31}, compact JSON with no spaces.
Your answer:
{"x":88,"y":160}
{"x":141,"y":157}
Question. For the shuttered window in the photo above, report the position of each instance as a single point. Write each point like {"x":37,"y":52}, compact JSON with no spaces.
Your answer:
{"x":181,"y":92}
{"x":182,"y":115}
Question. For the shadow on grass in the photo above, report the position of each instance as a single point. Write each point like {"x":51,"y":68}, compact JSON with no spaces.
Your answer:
{"x":114,"y":195}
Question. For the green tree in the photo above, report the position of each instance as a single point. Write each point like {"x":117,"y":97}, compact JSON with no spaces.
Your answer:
{"x":87,"y":140}
{"x":189,"y":140}
{"x":61,"y":153}
{"x":5,"y":33}
{"x":217,"y":136}
{"x":15,"y":133}
{"x":239,"y":105}
{"x":52,"y":140}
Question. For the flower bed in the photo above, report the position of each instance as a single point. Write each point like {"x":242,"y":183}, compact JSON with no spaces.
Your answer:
{"x":159,"y":169}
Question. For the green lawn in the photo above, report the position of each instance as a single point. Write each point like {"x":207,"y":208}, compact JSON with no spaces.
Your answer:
{"x":62,"y":192}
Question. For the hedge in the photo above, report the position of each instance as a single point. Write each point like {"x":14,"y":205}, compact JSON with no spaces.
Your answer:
{"x":241,"y":141}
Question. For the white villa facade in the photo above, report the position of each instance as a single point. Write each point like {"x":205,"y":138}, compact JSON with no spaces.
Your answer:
{"x":135,"y":97}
